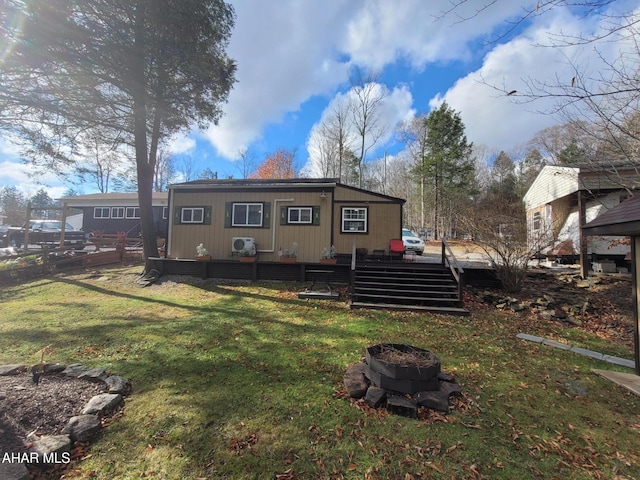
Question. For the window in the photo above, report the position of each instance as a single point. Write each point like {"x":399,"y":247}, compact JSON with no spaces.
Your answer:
{"x":133,"y":212}
{"x":537,"y":221}
{"x":101,"y":212}
{"x":165,"y":212}
{"x":354,"y":220}
{"x":299,"y":215}
{"x":247,"y":215}
{"x":117,"y":212}
{"x":192,"y":215}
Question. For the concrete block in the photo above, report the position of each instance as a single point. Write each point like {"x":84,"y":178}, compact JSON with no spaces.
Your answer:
{"x":530,"y":338}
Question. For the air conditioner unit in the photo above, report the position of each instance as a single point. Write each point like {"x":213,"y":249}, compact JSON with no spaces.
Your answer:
{"x":241,"y":243}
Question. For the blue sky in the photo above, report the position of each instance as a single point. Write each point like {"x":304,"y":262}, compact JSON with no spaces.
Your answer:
{"x":295,"y":58}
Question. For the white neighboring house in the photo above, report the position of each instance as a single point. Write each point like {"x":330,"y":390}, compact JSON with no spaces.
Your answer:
{"x":553,"y":211}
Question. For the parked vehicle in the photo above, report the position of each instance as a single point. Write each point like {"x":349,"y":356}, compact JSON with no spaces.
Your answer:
{"x":411,"y":241}
{"x":45,"y":233}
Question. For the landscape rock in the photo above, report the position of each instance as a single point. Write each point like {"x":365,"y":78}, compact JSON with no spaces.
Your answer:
{"x":407,"y":407}
{"x":355,"y":381}
{"x":118,"y":384}
{"x":94,"y":375}
{"x":14,"y":471}
{"x":50,"y":449}
{"x":449,"y":388}
{"x":11,"y":369}
{"x":437,"y":400}
{"x":102,"y":403}
{"x":82,"y":428}
{"x":375,"y":396}
{"x":75,"y":370}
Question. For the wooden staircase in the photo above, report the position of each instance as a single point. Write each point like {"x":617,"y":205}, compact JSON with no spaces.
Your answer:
{"x":407,"y":286}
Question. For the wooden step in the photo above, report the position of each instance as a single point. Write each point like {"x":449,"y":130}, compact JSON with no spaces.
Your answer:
{"x":460,"y":311}
{"x":412,"y":298}
{"x":418,"y":294}
{"x":383,"y":284}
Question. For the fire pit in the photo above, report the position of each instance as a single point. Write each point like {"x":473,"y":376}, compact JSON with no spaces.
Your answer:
{"x":402,"y":368}
{"x":402,"y":378}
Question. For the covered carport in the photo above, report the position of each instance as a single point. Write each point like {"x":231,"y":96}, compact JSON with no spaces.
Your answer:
{"x":624,"y":220}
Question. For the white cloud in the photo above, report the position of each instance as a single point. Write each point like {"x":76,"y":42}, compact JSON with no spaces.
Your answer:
{"x":181,"y":144}
{"x":494,"y":119}
{"x":292,"y":50}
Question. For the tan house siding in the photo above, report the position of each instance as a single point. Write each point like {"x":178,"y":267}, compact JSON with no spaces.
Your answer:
{"x":384,"y":219}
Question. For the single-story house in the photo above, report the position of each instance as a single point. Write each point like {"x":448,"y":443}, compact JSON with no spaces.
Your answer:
{"x":624,"y":219}
{"x":563,"y":199}
{"x":273,"y":215}
{"x":112,"y":213}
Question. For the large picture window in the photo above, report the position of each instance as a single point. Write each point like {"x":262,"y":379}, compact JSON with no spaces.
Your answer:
{"x":192,"y":215}
{"x":299,"y":215}
{"x":354,"y":220}
{"x":247,"y":215}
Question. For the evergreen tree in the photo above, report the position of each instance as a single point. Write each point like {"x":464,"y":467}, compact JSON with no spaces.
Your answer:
{"x":447,"y":166}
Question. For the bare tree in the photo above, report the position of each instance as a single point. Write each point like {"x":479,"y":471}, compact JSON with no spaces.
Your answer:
{"x":246,"y":163}
{"x":331,"y":142}
{"x":365,"y":109}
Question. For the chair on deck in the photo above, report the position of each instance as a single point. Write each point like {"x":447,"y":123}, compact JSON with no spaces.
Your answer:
{"x":396,"y":249}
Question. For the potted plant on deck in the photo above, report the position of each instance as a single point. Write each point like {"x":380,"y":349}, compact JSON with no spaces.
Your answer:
{"x":328,"y":256}
{"x":289,"y":255}
{"x":202,"y":254}
{"x":248,"y":254}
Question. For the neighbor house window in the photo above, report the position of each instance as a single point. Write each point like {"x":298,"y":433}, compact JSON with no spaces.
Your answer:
{"x":165,"y":212}
{"x":133,"y":212}
{"x":299,"y":215}
{"x":354,"y":220}
{"x":192,"y":215}
{"x":101,"y":212}
{"x":537,"y":221}
{"x":246,"y":215}
{"x":117,"y":212}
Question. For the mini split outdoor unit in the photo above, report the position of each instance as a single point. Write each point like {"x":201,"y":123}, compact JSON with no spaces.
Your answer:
{"x":242,"y":243}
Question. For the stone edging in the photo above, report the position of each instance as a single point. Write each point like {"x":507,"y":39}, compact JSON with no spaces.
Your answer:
{"x":81,"y":428}
{"x":623,"y":362}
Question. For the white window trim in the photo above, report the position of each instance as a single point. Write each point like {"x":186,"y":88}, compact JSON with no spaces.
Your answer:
{"x":132,"y":215}
{"x":165,"y":212}
{"x":102,"y":210}
{"x":365,"y":220}
{"x":192,"y":210}
{"x":117,"y":212}
{"x":246,"y":223}
{"x":299,"y":210}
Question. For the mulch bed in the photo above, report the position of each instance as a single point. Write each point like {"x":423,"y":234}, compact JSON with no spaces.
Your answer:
{"x":28,"y":410}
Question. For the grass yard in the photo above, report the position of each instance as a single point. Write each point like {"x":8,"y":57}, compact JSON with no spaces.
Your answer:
{"x":245,"y":382}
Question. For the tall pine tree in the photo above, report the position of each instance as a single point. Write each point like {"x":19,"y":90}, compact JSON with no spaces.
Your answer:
{"x":447,"y":167}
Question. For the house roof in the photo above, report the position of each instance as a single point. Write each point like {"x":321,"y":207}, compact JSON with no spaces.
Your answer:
{"x":275,"y":184}
{"x":623,"y":219}
{"x":555,"y":182}
{"x":111,"y":199}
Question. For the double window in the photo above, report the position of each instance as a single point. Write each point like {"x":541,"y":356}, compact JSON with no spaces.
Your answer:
{"x":117,"y":212}
{"x":192,"y":215}
{"x":246,"y":215}
{"x":132,"y":212}
{"x":355,"y":220}
{"x":102,"y":212}
{"x":300,"y":215}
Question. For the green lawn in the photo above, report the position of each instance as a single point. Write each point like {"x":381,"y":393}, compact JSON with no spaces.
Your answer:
{"x":245,"y":382}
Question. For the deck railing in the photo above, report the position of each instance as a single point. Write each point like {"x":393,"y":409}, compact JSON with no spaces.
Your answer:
{"x":449,"y":259}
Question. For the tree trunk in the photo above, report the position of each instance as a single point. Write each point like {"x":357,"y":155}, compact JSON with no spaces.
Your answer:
{"x":144,"y":172}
